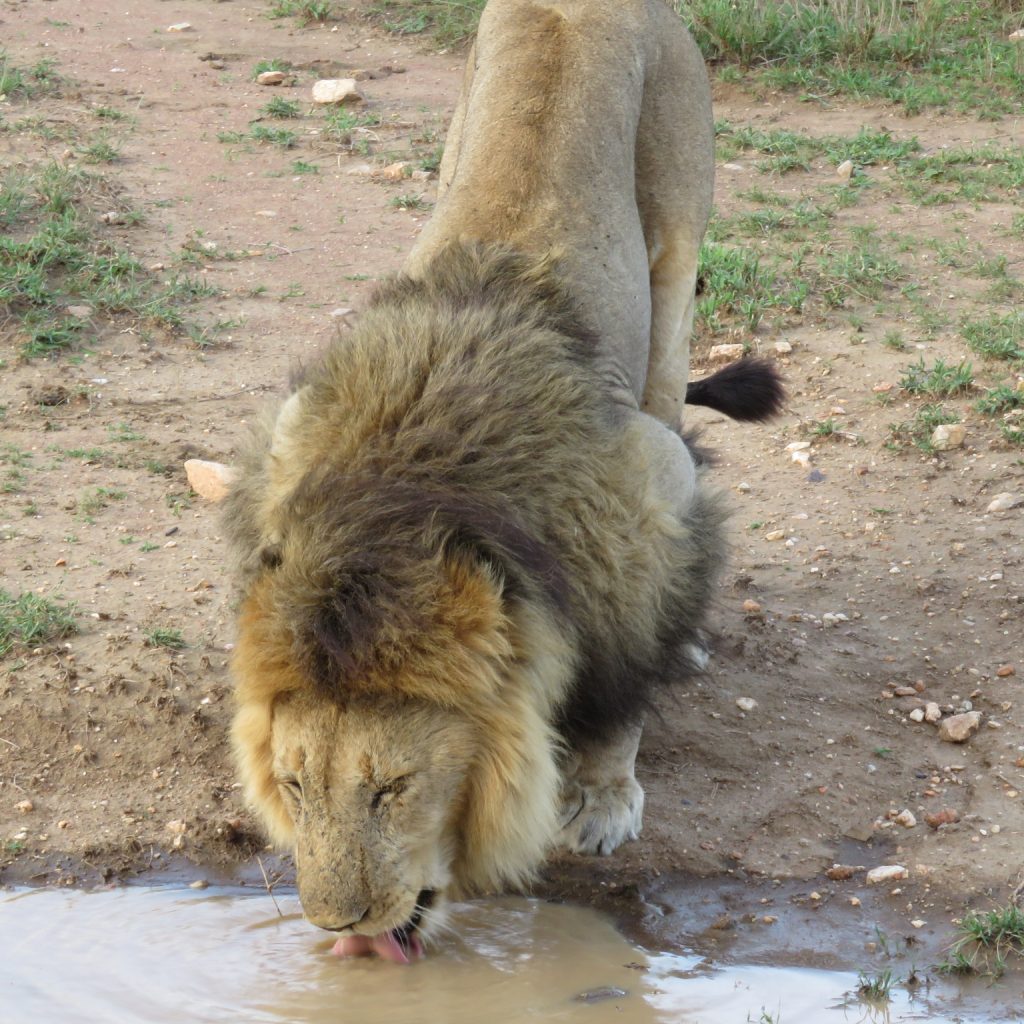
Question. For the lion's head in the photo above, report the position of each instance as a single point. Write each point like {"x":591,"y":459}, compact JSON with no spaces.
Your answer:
{"x":419,"y":767}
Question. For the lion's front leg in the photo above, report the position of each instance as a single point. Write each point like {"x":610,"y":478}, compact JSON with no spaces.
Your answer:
{"x":602,"y":803}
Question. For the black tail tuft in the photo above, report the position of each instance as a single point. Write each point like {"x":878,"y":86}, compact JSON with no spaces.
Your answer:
{"x":748,"y":389}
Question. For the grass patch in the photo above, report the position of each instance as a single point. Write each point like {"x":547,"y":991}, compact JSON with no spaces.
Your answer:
{"x":283,"y":137}
{"x":282,"y":108}
{"x":917,"y":432}
{"x":169,"y":638}
{"x":449,"y":22}
{"x":29,"y":620}
{"x":986,"y":941}
{"x":995,"y":336}
{"x":306,"y":12}
{"x":1000,"y":399}
{"x":25,"y":82}
{"x":940,"y":380}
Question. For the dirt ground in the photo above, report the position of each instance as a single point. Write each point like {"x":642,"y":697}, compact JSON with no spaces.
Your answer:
{"x":886,"y":571}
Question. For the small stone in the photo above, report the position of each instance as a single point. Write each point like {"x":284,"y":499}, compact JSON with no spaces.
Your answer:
{"x":111,"y":217}
{"x":947,"y":436}
{"x":176,"y":827}
{"x":751,"y":607}
{"x":1004,"y":502}
{"x":775,"y":535}
{"x":271,"y":77}
{"x":845,"y":170}
{"x":199,"y":883}
{"x":746,"y":703}
{"x":1017,"y":35}
{"x":886,"y":873}
{"x":854,"y":901}
{"x":336,"y":90}
{"x":798,"y":446}
{"x":932,"y":712}
{"x":841,"y":872}
{"x":342,"y":312}
{"x":832,"y":619}
{"x":906,"y":819}
{"x":600,"y":995}
{"x":1005,"y":671}
{"x":180,"y":26}
{"x":210,"y":480}
{"x":801,"y":458}
{"x":80,"y":312}
{"x":905,"y":691}
{"x":917,"y":715}
{"x":782,"y":348}
{"x":946,"y":816}
{"x":739,"y":167}
{"x":960,"y":728}
{"x":398,"y":171}
{"x":726,"y":353}
{"x":24,"y":806}
{"x":918,"y":923}
{"x":743,"y":487}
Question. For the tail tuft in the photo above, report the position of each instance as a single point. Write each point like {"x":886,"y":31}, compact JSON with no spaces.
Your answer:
{"x":748,"y":389}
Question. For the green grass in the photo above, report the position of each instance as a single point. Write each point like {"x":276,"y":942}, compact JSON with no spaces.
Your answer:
{"x":274,"y":64}
{"x":304,"y":11}
{"x":283,"y":137}
{"x":28,"y":620}
{"x":97,"y":499}
{"x":917,"y":431}
{"x":341,"y":124}
{"x":282,"y":108}
{"x":940,"y":380}
{"x":996,"y":336}
{"x":986,"y":942}
{"x":52,"y":256}
{"x":1000,"y":399}
{"x":876,"y":988}
{"x":26,"y":82}
{"x":169,"y":638}
{"x":449,"y":22}
{"x":408,"y":202}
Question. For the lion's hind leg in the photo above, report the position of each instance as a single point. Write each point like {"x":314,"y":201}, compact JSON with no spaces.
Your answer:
{"x":602,"y":803}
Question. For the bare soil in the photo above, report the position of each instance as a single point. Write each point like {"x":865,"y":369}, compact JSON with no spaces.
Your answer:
{"x":118,"y":746}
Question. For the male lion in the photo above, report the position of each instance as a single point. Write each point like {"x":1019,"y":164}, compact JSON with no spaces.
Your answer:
{"x":472,"y":541}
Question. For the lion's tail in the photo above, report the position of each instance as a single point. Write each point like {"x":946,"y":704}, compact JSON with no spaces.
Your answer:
{"x":748,"y":389}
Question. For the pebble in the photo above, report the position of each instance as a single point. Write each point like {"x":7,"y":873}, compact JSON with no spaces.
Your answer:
{"x":932,"y":712}
{"x":832,"y":619}
{"x":199,"y":883}
{"x":960,"y":728}
{"x":79,"y":312}
{"x":775,"y":535}
{"x":1004,"y":502}
{"x":845,"y":170}
{"x":947,"y":436}
{"x":906,"y":819}
{"x":180,"y":26}
{"x":726,"y":353}
{"x":210,"y":480}
{"x":917,"y":715}
{"x":25,"y":806}
{"x":798,"y":446}
{"x":751,"y":607}
{"x":746,"y":703}
{"x":599,"y":995}
{"x":782,"y":348}
{"x":336,"y":90}
{"x":743,"y":487}
{"x":1006,"y":670}
{"x":393,"y":172}
{"x":946,"y":816}
{"x":271,"y":77}
{"x":886,"y":873}
{"x":918,"y":923}
{"x":841,"y":872}
{"x":906,"y":691}
{"x":801,"y":458}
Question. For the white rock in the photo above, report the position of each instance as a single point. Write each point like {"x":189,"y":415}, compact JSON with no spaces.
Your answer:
{"x":271,"y":77}
{"x":832,"y":619}
{"x":775,"y":535}
{"x":798,"y":446}
{"x":80,"y":313}
{"x":960,"y":728}
{"x":739,"y":167}
{"x":743,"y":487}
{"x":210,"y":480}
{"x":726,"y":353}
{"x":918,"y":923}
{"x":180,"y":26}
{"x":932,"y":712}
{"x":917,"y":715}
{"x":801,"y":458}
{"x":947,"y":436}
{"x":845,"y":170}
{"x":1004,"y":502}
{"x":782,"y":348}
{"x":905,"y":818}
{"x":336,"y":90}
{"x":746,"y":703}
{"x":886,"y":873}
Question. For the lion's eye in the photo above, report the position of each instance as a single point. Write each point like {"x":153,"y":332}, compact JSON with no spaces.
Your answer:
{"x":392,"y":789}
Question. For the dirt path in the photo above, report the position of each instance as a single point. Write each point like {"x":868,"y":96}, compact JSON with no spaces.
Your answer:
{"x":870,"y":572}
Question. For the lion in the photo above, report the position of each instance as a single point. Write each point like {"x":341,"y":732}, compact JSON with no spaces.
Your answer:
{"x":472,"y":542}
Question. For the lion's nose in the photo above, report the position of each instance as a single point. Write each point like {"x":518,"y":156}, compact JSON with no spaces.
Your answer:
{"x":321,"y":923}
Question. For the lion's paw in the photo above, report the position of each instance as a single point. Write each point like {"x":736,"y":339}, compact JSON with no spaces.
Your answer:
{"x":599,"y":819}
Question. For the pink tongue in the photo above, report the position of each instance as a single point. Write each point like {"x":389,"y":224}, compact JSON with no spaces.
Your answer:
{"x":387,"y":946}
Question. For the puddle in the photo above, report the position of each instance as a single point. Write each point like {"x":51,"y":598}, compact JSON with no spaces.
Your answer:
{"x":162,"y":955}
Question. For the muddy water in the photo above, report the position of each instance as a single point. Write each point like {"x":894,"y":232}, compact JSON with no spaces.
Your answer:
{"x":172,"y":955}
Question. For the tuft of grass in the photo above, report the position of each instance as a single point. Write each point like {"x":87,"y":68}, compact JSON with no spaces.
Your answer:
{"x":302,"y":167}
{"x":306,"y":12}
{"x":986,"y":941}
{"x":274,"y":64}
{"x":28,"y":620}
{"x":169,"y":638}
{"x":24,"y":82}
{"x":408,"y":202}
{"x":449,"y":22}
{"x":940,"y":380}
{"x":918,"y":430}
{"x":280,"y":107}
{"x":995,"y":336}
{"x":1000,"y":399}
{"x":875,"y":988}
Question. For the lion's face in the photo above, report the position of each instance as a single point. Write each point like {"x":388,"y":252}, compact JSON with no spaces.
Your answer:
{"x":373,"y":790}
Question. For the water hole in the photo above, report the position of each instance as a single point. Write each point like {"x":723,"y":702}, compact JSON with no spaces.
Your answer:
{"x":176,"y":955}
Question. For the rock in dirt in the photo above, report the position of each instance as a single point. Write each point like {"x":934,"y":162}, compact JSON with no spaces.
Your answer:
{"x":1004,"y":502}
{"x":886,"y":873}
{"x":599,"y":995}
{"x":271,"y":77}
{"x":180,"y":26}
{"x":845,"y":170}
{"x":946,"y":816}
{"x":726,"y":353}
{"x":947,"y":436}
{"x":24,"y":806}
{"x":336,"y":90}
{"x":210,"y":480}
{"x":746,"y":703}
{"x":960,"y":728}
{"x":841,"y":872}
{"x":917,"y":715}
{"x":932,"y":712}
{"x":1004,"y":671}
{"x":906,"y":819}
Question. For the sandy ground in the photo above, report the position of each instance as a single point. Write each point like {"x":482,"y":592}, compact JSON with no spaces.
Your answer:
{"x":888,"y":571}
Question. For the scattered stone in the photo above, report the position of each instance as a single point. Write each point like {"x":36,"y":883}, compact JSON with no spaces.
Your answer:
{"x":946,"y":816}
{"x":80,"y":312}
{"x":746,"y":703}
{"x":265,"y":213}
{"x":180,"y":26}
{"x":218,"y":65}
{"x":882,"y":387}
{"x":24,"y":806}
{"x":906,"y":819}
{"x":932,"y":712}
{"x":111,"y":217}
{"x":1004,"y":502}
{"x":751,"y":607}
{"x":271,"y":77}
{"x":886,"y":873}
{"x":917,"y":715}
{"x":801,"y":458}
{"x":176,"y":828}
{"x":199,"y":883}
{"x":948,"y":436}
{"x":1017,"y":35}
{"x":918,"y":923}
{"x":845,"y":170}
{"x":743,"y":487}
{"x":905,"y":691}
{"x":342,"y":312}
{"x":854,"y":901}
{"x":775,"y":535}
{"x":842,"y":872}
{"x":798,"y":446}
{"x":832,"y":619}
{"x":919,"y":686}
{"x":397,"y":171}
{"x":960,"y":728}
{"x":782,"y":348}
{"x":210,"y":480}
{"x":1005,"y":671}
{"x":336,"y":90}
{"x":726,"y":353}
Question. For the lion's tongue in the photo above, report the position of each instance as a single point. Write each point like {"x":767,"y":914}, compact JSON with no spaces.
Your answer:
{"x":387,"y":946}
